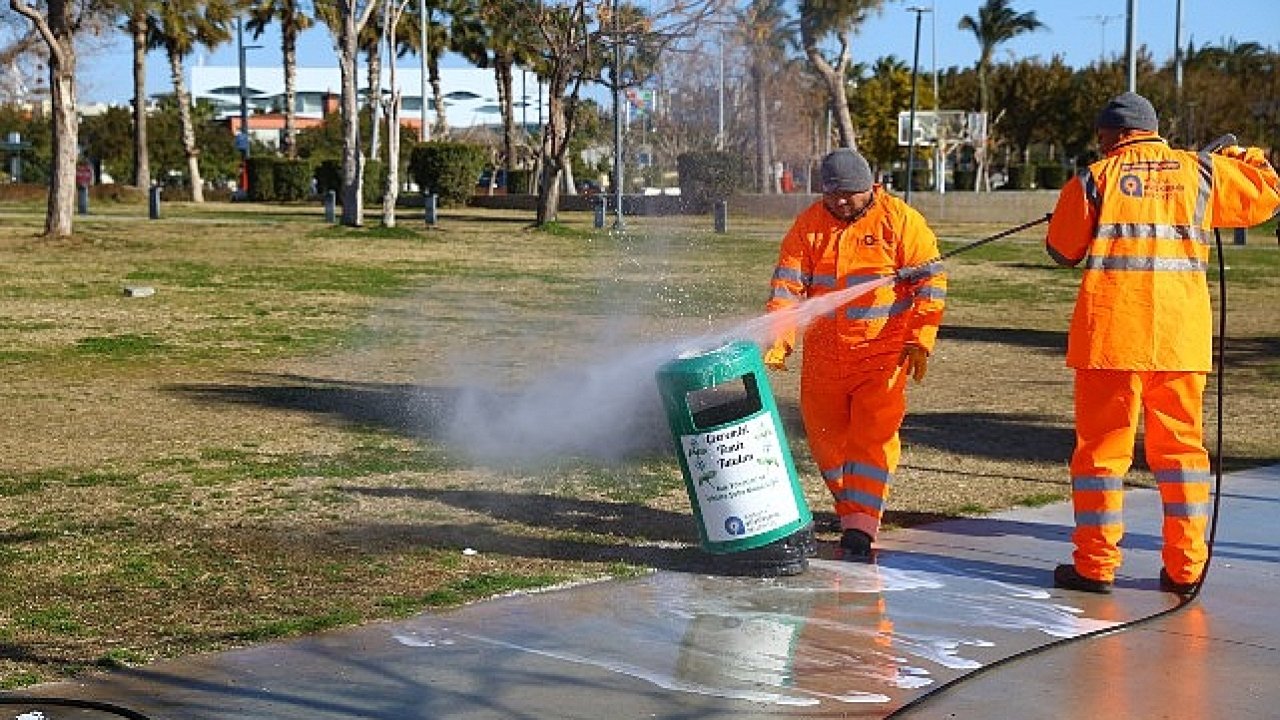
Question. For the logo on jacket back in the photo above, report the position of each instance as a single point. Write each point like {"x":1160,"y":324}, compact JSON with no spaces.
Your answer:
{"x":1131,"y":185}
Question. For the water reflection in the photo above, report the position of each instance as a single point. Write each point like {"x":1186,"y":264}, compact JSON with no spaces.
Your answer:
{"x":842,"y":634}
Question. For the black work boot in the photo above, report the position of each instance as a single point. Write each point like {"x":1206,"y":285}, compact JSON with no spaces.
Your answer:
{"x":855,"y":546}
{"x":1068,"y":578}
{"x":1168,"y":584}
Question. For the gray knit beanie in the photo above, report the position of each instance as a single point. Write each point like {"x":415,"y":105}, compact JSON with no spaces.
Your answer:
{"x":845,"y":170}
{"x":1129,"y":110}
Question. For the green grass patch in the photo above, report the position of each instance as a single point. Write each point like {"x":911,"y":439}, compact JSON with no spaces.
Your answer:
{"x":119,"y":347}
{"x":1042,"y":499}
{"x":486,"y":585}
{"x":56,"y":619}
{"x":300,"y":625}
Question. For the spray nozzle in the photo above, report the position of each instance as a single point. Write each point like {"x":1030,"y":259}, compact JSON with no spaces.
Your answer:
{"x":1221,"y":142}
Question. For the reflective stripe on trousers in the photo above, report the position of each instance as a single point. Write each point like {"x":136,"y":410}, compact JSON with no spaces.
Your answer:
{"x":1107,"y":407}
{"x":852,"y":423}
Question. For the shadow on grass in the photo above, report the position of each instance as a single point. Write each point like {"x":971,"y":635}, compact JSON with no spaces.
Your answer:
{"x":501,"y":428}
{"x":1044,"y":340}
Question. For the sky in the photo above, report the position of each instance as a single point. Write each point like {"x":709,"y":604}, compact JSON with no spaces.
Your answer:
{"x":1081,"y":31}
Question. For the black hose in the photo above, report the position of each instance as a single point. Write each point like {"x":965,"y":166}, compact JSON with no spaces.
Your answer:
{"x":28,"y":700}
{"x":1220,"y":363}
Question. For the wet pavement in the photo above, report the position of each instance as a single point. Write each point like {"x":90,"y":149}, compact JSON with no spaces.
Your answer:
{"x":954,"y":601}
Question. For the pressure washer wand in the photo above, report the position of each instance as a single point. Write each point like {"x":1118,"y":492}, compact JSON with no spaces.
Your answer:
{"x":907,"y":273}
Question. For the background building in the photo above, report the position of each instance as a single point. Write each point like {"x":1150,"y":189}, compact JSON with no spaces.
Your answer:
{"x":470,"y":96}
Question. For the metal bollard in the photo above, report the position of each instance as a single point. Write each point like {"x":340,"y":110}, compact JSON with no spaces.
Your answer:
{"x":82,"y":199}
{"x":429,"y":208}
{"x":330,"y":203}
{"x":722,"y":216}
{"x":600,"y":204}
{"x":153,"y":203}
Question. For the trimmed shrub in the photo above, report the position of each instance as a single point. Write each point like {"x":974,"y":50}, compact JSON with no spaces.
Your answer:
{"x":262,"y":178}
{"x":329,"y":177}
{"x":709,"y":175}
{"x":375,"y":181}
{"x":292,"y":179}
{"x":447,"y":170}
{"x":518,"y":181}
{"x":1020,"y":177}
{"x":1051,"y":177}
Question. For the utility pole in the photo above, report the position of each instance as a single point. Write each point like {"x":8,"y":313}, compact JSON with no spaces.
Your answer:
{"x":911,"y":123}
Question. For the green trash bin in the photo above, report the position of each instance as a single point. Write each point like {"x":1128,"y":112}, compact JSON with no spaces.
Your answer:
{"x":737,"y":466}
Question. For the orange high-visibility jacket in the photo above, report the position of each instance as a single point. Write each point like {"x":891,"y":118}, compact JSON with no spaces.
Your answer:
{"x":1142,"y":221}
{"x":822,"y":254}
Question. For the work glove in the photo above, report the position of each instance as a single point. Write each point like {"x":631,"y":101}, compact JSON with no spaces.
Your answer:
{"x":775,"y":358}
{"x":914,"y":361}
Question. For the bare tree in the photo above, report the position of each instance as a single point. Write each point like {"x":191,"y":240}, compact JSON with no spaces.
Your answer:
{"x":57,"y":22}
{"x":567,"y":56}
{"x":392,"y":11}
{"x":820,"y":20}
{"x":346,"y":23}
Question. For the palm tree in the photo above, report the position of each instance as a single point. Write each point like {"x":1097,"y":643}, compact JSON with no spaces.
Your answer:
{"x":511,"y":45}
{"x":137,"y":24}
{"x":996,"y":24}
{"x":293,"y":21}
{"x":820,"y":19}
{"x":177,"y":27}
{"x":766,"y":31}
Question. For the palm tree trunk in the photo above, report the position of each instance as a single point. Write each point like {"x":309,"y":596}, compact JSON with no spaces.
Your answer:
{"x":352,"y":159}
{"x":391,"y":191}
{"x":188,"y":129}
{"x":138,"y":32}
{"x":502,"y":75}
{"x":289,"y":49}
{"x":373,"y":61}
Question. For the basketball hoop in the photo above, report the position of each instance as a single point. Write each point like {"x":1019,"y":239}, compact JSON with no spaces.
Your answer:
{"x":951,"y":128}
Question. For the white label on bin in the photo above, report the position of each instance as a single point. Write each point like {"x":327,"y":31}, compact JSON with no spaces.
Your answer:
{"x":740,"y":478}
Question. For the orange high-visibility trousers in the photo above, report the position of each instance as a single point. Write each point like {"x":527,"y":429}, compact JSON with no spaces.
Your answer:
{"x":1107,"y":407}
{"x":851,"y":418}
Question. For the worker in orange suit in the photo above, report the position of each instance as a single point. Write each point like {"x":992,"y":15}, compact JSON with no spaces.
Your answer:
{"x":857,"y":359}
{"x":1141,"y":219}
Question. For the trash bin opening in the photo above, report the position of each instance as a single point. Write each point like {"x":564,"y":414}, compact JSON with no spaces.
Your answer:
{"x":723,"y":403}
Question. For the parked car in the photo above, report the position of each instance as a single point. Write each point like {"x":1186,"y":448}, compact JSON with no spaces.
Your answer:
{"x":589,"y":188}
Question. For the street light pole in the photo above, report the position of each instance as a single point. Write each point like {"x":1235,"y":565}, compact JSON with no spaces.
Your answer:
{"x":617,"y":121}
{"x":1131,"y":44}
{"x":422,"y":45}
{"x":720,"y":126}
{"x":911,"y":123}
{"x":243,"y":139}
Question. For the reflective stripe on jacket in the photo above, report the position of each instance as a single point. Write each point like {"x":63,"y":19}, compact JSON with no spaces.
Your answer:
{"x":1142,"y":220}
{"x":822,"y":254}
